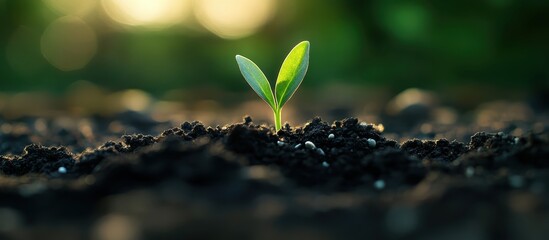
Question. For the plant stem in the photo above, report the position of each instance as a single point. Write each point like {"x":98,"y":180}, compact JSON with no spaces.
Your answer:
{"x":278,"y":119}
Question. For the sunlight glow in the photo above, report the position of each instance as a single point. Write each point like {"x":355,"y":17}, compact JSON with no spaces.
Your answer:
{"x":71,"y":7}
{"x":234,"y":18}
{"x":68,"y":43}
{"x":152,"y":13}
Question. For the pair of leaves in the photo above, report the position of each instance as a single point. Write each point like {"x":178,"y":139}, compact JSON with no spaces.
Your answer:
{"x":291,"y":75}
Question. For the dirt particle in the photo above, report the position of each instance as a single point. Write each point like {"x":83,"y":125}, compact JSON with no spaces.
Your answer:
{"x":247,"y":120}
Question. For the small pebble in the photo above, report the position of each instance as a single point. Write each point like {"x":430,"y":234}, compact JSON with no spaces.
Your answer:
{"x":500,"y":133}
{"x":310,"y":145}
{"x":469,"y":171}
{"x":371,"y":142}
{"x":379,"y":184}
{"x":325,"y":164}
{"x":297,"y":146}
{"x":320,"y":151}
{"x":331,"y":136}
{"x":517,"y":140}
{"x":62,"y":170}
{"x":280,"y":143}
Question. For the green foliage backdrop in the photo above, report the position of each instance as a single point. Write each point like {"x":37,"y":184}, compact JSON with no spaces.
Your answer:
{"x":397,"y":44}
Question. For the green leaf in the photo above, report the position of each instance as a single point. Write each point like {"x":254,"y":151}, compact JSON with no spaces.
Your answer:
{"x":257,"y":80}
{"x":292,"y":72}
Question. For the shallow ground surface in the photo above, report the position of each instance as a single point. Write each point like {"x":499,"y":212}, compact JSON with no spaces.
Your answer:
{"x":82,"y":178}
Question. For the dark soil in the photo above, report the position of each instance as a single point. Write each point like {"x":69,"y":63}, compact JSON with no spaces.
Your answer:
{"x":244,"y":181}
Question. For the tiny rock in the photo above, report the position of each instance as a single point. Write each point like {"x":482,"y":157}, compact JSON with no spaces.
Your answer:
{"x":516,"y":181}
{"x":379,"y":184}
{"x":371,"y":142}
{"x":297,"y":146}
{"x":310,"y":145}
{"x":62,"y":170}
{"x":325,"y":164}
{"x":469,"y":171}
{"x":331,"y":136}
{"x":320,"y":151}
{"x":280,"y":143}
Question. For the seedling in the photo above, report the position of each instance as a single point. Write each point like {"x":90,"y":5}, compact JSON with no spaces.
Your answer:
{"x":289,"y":78}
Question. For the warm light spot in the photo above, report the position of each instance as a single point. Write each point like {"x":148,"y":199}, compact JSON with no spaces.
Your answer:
{"x":68,"y":43}
{"x":116,"y":227}
{"x":71,"y":7}
{"x":410,"y":97}
{"x":154,"y":13}
{"x":135,"y":100}
{"x":234,"y":18}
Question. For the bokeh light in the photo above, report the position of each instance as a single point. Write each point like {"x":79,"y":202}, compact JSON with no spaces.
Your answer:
{"x":69,"y":43}
{"x":71,"y":7}
{"x":404,"y":21}
{"x":158,"y":45}
{"x":156,"y":14}
{"x":236,"y":18}
{"x":134,"y":99}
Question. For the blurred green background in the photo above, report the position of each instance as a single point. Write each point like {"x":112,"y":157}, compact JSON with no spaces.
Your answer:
{"x":161,"y":45}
